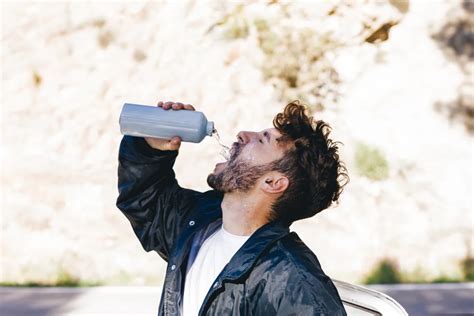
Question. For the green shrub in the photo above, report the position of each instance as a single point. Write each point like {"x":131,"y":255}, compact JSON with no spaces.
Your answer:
{"x":445,"y":279}
{"x":370,"y":162}
{"x":468,"y":268}
{"x":63,"y":279}
{"x":237,"y":27}
{"x":233,"y":25}
{"x":385,"y":272}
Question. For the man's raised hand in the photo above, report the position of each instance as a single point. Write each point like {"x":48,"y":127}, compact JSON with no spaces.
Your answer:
{"x":175,"y":142}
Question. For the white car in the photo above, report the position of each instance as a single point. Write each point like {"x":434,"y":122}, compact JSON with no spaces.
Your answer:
{"x":362,"y":301}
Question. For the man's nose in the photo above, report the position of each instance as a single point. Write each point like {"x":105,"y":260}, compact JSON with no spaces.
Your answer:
{"x":246,"y":137}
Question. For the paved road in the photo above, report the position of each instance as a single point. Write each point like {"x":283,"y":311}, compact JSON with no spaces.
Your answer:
{"x":432,"y":299}
{"x":418,"y":300}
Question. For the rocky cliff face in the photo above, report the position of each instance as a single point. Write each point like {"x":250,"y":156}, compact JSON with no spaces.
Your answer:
{"x":373,"y":71}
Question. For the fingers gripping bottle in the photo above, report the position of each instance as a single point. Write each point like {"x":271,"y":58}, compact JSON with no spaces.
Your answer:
{"x":153,"y":121}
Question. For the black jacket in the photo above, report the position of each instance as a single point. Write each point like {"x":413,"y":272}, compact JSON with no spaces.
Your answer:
{"x":274,"y":273}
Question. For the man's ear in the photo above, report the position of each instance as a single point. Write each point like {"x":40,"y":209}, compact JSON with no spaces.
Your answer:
{"x":275,"y":182}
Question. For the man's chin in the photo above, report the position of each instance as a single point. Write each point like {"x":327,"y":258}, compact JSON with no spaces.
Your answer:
{"x":214,"y":180}
{"x":219,"y":167}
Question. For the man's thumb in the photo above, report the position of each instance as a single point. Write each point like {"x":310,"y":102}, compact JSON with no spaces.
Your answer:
{"x":174,"y":143}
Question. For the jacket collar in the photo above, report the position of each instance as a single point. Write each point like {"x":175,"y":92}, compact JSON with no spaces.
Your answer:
{"x":246,"y":257}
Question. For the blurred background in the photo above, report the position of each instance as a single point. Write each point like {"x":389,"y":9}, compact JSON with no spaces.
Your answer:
{"x":393,"y":78}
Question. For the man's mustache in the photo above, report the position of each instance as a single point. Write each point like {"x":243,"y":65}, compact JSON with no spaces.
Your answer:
{"x":235,"y":151}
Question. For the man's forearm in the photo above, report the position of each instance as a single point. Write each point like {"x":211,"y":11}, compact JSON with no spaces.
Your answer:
{"x":144,"y":175}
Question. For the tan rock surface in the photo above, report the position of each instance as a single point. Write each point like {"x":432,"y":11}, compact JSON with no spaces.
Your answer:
{"x":68,"y":68}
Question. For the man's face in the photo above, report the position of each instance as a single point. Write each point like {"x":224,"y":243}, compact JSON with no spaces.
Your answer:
{"x":250,"y":158}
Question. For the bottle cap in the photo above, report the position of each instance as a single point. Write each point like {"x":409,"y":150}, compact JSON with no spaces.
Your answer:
{"x":210,"y":128}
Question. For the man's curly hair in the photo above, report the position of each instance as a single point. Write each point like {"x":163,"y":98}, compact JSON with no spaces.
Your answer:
{"x":316,"y":174}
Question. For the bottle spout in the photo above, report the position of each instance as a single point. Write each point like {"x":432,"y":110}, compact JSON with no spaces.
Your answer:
{"x":210,"y":128}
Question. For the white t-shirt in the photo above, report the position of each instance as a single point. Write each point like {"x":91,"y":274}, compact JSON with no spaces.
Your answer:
{"x":214,"y":254}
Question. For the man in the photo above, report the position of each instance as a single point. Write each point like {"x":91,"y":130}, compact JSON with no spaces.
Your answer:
{"x":229,"y":250}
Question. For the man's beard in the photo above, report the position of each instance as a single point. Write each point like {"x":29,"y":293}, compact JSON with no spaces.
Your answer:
{"x":237,"y":175}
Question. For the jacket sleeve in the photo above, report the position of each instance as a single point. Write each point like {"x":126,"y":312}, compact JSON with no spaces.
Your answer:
{"x":149,"y":195}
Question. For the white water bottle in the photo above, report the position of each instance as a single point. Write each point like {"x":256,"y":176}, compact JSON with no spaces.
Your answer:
{"x":153,"y":121}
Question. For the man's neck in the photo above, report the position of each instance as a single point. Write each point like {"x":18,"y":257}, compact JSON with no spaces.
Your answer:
{"x":242,"y":214}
